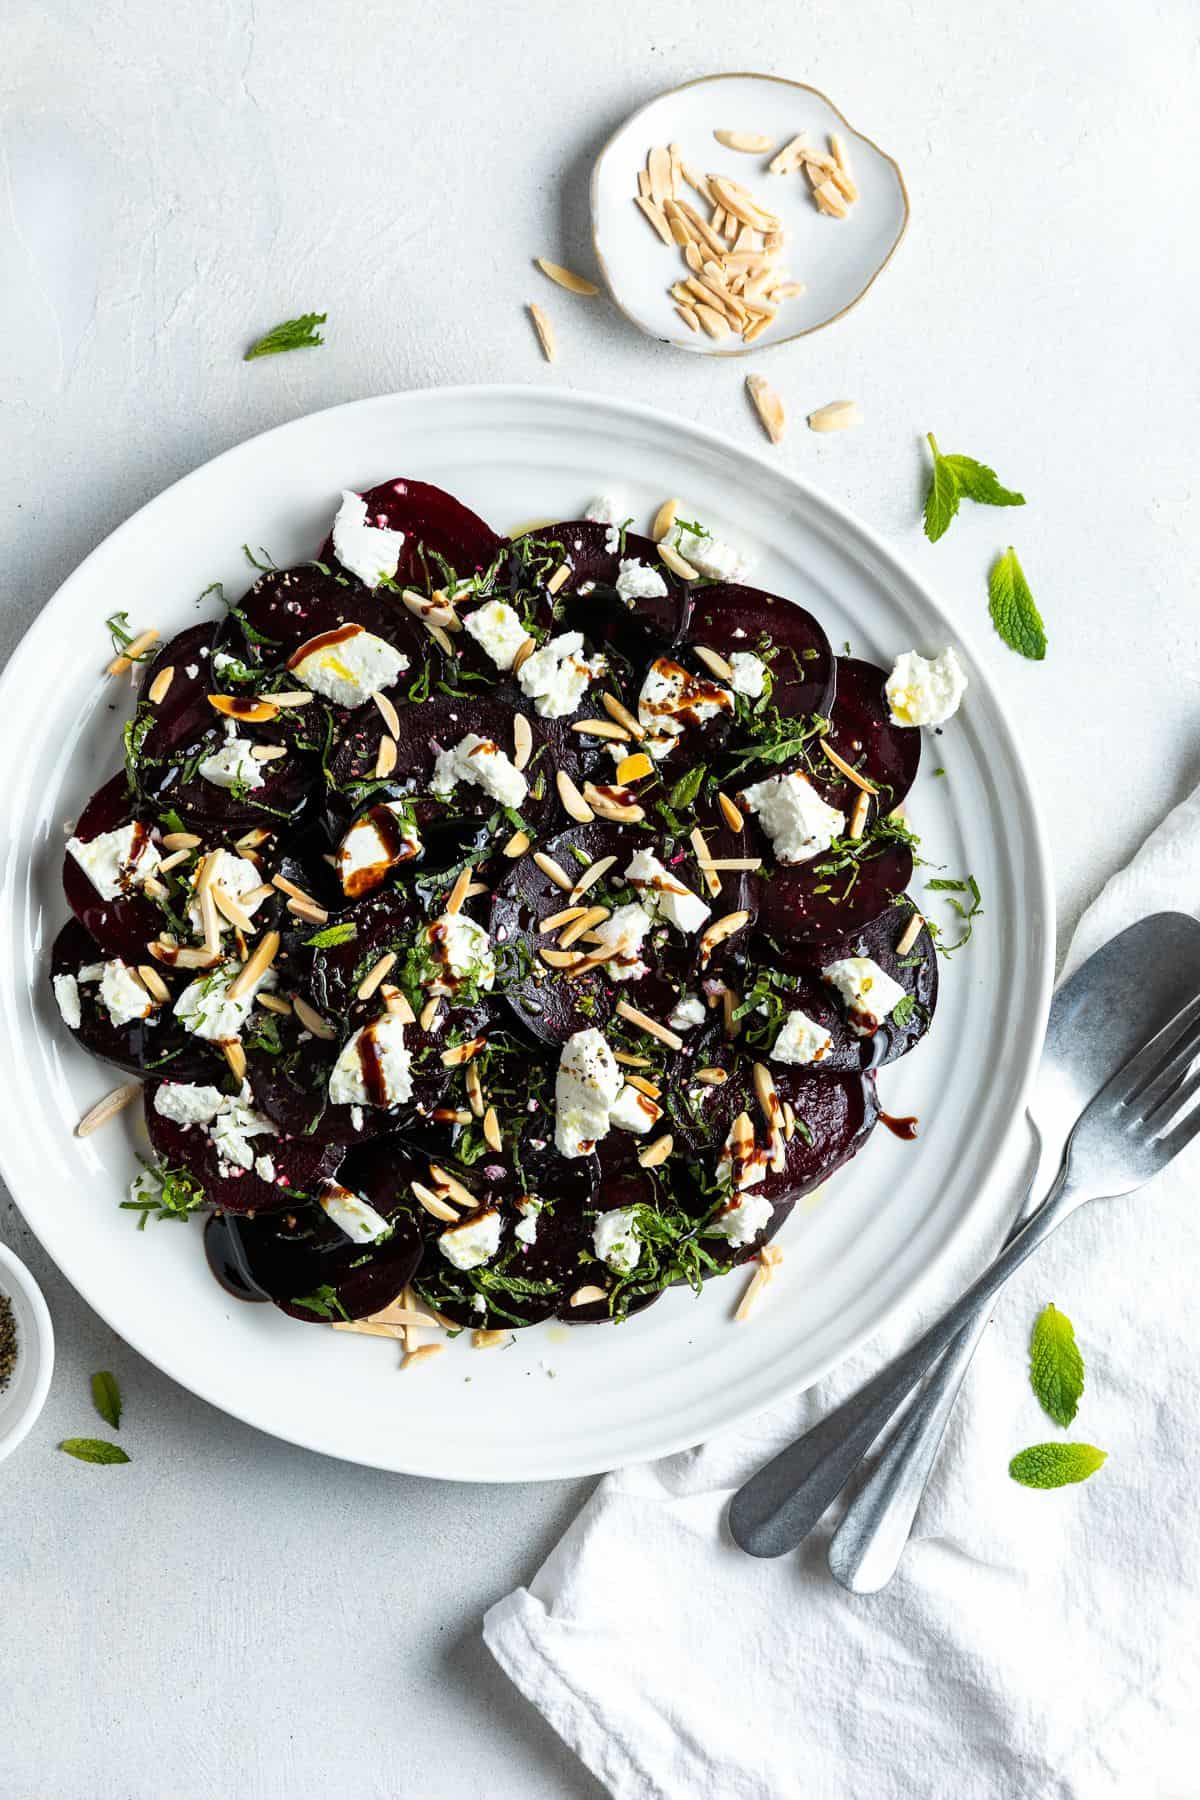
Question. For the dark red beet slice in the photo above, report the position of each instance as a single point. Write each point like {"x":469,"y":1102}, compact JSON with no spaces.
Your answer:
{"x":287,"y":607}
{"x":811,"y":903}
{"x":728,"y":617}
{"x":622,"y":1183}
{"x":121,"y":927}
{"x":177,"y":783}
{"x":189,"y":656}
{"x":599,"y":614}
{"x":438,"y":530}
{"x":302,"y":1254}
{"x":300,"y":1164}
{"x":158,"y":1045}
{"x":863,"y":735}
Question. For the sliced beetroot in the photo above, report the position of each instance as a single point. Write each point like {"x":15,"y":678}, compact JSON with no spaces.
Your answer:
{"x":287,"y":607}
{"x":207,"y":807}
{"x":818,"y":901}
{"x":302,"y":1255}
{"x":189,"y":656}
{"x":599,"y":613}
{"x":300,"y":1164}
{"x":443,"y":539}
{"x":124,"y":926}
{"x":622,"y":1183}
{"x":862,"y":734}
{"x":155,"y":1045}
{"x":727,"y":617}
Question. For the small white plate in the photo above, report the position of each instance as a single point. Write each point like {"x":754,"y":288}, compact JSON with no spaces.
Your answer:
{"x":24,"y":1397}
{"x":560,"y":1401}
{"x":838,"y":259}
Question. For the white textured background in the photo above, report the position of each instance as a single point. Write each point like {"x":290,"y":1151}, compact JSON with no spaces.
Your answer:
{"x":232,"y":1616}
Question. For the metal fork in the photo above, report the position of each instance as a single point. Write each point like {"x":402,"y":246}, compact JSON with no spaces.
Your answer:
{"x":1140,"y":1119}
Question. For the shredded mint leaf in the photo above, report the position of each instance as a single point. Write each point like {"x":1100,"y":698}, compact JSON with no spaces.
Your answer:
{"x":1055,"y":1366}
{"x":331,"y":935}
{"x":953,"y":478}
{"x":323,"y":1301}
{"x":685,"y":791}
{"x":293,"y":334}
{"x":1055,"y":1465}
{"x":903,"y":1011}
{"x":106,"y":1397}
{"x":93,"y":1450}
{"x":1013,"y":609}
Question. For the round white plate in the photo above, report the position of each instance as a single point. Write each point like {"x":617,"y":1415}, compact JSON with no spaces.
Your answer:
{"x":838,"y":259}
{"x":561,"y":1401}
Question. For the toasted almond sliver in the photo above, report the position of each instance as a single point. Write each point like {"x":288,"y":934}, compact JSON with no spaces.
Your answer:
{"x":656,"y":1153}
{"x":717,"y":220}
{"x":712,"y":880}
{"x":752,"y":143}
{"x":423,"y":1354}
{"x":491,"y":1129}
{"x":517,"y":844}
{"x":846,"y":769}
{"x":255,"y":967}
{"x":553,"y":871}
{"x":458,"y":892}
{"x":694,"y":261}
{"x":732,"y":814}
{"x":643,"y":184}
{"x":588,"y":918}
{"x":701,"y":227}
{"x":181,"y":840}
{"x":153,"y":982}
{"x":566,"y":278}
{"x":566,"y":959}
{"x":256,"y":712}
{"x":369,"y":1328}
{"x":720,"y":930}
{"x":588,"y":1296}
{"x":235,"y":1056}
{"x":523,"y":653}
{"x":650,"y":1026}
{"x":679,"y":230}
{"x":618,"y":812}
{"x":788,"y":290}
{"x":839,"y":415}
{"x":176,"y":958}
{"x":462,"y":1053}
{"x":753,"y":332}
{"x":388,"y":713}
{"x":712,"y":1077}
{"x":544,"y":329}
{"x":735,"y":199}
{"x":687,"y":314}
{"x":233,"y":910}
{"x":252,"y":839}
{"x":557,"y":579}
{"x":158,"y":689}
{"x":662,"y":181}
{"x":678,"y":566}
{"x":385,"y":760}
{"x":664,"y":518}
{"x":696,"y":180}
{"x":474,"y":1089}
{"x":717,"y":664}
{"x":430,"y":1011}
{"x":788,"y":160}
{"x":121,"y":664}
{"x":522,"y":741}
{"x":845,"y":185}
{"x":557,"y":920}
{"x":829,"y":199}
{"x":308,"y":911}
{"x":311,"y":1019}
{"x":657,"y":219}
{"x":615,"y":710}
{"x":449,"y":1187}
{"x":268,"y":752}
{"x":632,"y":1062}
{"x":572,"y":800}
{"x":483,"y":1338}
{"x":768,"y":406}
{"x":289,"y":887}
{"x":601,"y":728}
{"x":722,"y":863}
{"x":649,"y":1088}
{"x":909,"y":935}
{"x":714,"y":323}
{"x":110,"y":1106}
{"x":858,"y":818}
{"x":590,"y":875}
{"x":758,"y":1281}
{"x":273,"y":1003}
{"x":397,"y":1005}
{"x":371,"y":981}
{"x":634,"y":768}
{"x":438,"y":1208}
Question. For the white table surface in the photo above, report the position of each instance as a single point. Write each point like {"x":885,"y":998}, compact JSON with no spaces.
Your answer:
{"x":231,"y":1615}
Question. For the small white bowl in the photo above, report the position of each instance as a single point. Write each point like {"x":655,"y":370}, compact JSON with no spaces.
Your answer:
{"x":24,"y":1397}
{"x":838,"y":259}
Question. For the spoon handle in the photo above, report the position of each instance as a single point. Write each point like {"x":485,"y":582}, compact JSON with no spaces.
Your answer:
{"x":780,"y":1505}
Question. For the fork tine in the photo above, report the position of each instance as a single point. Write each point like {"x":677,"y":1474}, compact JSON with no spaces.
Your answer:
{"x":1180,"y":1137}
{"x":1168,"y":1107}
{"x":1151,"y":1073}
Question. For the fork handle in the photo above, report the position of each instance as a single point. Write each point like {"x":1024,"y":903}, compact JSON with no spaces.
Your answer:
{"x":780,"y":1505}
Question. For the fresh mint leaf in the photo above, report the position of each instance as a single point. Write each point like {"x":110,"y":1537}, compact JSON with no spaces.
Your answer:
{"x":1055,"y":1465}
{"x":323,"y":1301}
{"x":903,"y":1011}
{"x":106,"y":1397}
{"x":955,"y":478}
{"x":93,"y":1450}
{"x":1013,"y":609}
{"x":331,"y":935}
{"x":1055,"y":1365}
{"x":293,"y":334}
{"x":685,"y":791}
{"x":979,"y":483}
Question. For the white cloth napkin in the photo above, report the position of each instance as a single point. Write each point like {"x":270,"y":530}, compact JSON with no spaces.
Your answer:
{"x":1033,"y":1644}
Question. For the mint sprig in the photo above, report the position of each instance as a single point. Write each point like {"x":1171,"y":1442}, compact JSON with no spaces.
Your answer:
{"x":293,"y":334}
{"x":1055,"y":1465}
{"x":93,"y":1450}
{"x":1013,"y":608}
{"x":960,"y":477}
{"x":1055,"y":1366}
{"x":106,"y":1398}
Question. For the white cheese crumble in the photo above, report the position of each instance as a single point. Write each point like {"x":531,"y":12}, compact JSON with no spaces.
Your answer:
{"x":556,"y":677}
{"x":665,"y":894}
{"x":604,"y":510}
{"x":634,"y":1111}
{"x":709,"y":556}
{"x":586,"y":1086}
{"x":370,"y":848}
{"x":526,"y":1231}
{"x":351,"y":670}
{"x":231,"y":1120}
{"x":352,"y":1214}
{"x":689,"y":1010}
{"x":205,"y":1009}
{"x":480,"y":760}
{"x":497,"y":630}
{"x":123,"y":994}
{"x":371,"y":552}
{"x":869,"y":992}
{"x":116,"y":860}
{"x":463,"y":949}
{"x":749,"y":673}
{"x":800,"y":1040}
{"x":615,"y":1240}
{"x":66,"y":993}
{"x":264,"y":1168}
{"x":384,"y":1047}
{"x":622,"y":935}
{"x":794,"y":816}
{"x":473,"y":1242}
{"x":742,"y":1220}
{"x":921,"y":692}
{"x":188,"y":1103}
{"x":672,"y":698}
{"x":637,"y":581}
{"x":234,"y":764}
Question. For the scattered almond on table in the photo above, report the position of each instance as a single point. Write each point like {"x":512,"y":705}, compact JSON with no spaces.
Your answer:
{"x":839,"y":415}
{"x":768,"y":406}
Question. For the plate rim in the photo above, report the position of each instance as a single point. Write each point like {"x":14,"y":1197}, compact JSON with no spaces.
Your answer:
{"x":793,"y":336}
{"x":847,"y":525}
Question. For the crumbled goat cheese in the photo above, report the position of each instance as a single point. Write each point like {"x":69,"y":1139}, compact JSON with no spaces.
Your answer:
{"x":615,"y":1240}
{"x":350,"y":671}
{"x":497,"y":630}
{"x":123,"y":994}
{"x":479,"y":760}
{"x":66,"y":992}
{"x":381,"y":1047}
{"x":352,"y":1214}
{"x":794,"y":816}
{"x":742,"y":1220}
{"x":556,"y":677}
{"x":634,"y":1111}
{"x":708,"y":556}
{"x":921,"y":692}
{"x":234,"y":764}
{"x":473,"y":1242}
{"x":637,"y":581}
{"x":622,"y":935}
{"x":205,"y":1009}
{"x":749,"y":673}
{"x":371,"y":552}
{"x":606,"y":511}
{"x":664,"y":894}
{"x":800,"y":1040}
{"x":463,"y":949}
{"x":689,"y":1010}
{"x":673,"y":698}
{"x":374,"y":844}
{"x":117,"y":860}
{"x":235,"y":875}
{"x":586,"y":1086}
{"x":869,"y":992}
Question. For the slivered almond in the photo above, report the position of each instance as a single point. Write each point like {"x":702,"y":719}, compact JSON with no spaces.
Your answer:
{"x":716,"y":220}
{"x":678,"y":566}
{"x":553,"y":871}
{"x":544,"y":329}
{"x":680,"y":230}
{"x":372,"y":979}
{"x":474,"y":1087}
{"x":491,"y":1129}
{"x":590,"y":917}
{"x":429,"y":1012}
{"x":656,"y":1153}
{"x":736,"y":200}
{"x":753,"y":1294}
{"x":557,"y":579}
{"x":634,"y":768}
{"x":829,"y":199}
{"x":431,"y":611}
{"x":632,"y":1062}
{"x":311,"y":1019}
{"x":484,"y":1338}
{"x":206,"y":871}
{"x":252,"y":839}
{"x":751,"y":143}
{"x":658,"y":165}
{"x":788,"y":290}
{"x":477,"y":889}
{"x":388,"y":713}
{"x":588,"y":1295}
{"x":649,"y":1088}
{"x":433,"y":1205}
{"x":268,"y":752}
{"x":720,"y":930}
{"x":768,"y":406}
{"x":837,"y":148}
{"x":701,"y":227}
{"x":732,"y":814}
{"x":847,"y":769}
{"x":272,"y":1003}
{"x":517,"y":844}
{"x":601,"y":728}
{"x":688,"y":315}
{"x":696,"y":180}
{"x":753,"y":332}
{"x":643,"y":184}
{"x":723,"y":863}
{"x":572,"y":800}
{"x":181,"y":840}
{"x":129,"y":655}
{"x":176,"y":958}
{"x":712,"y":880}
{"x":289,"y":887}
{"x":173,"y":861}
{"x":397,"y":1004}
{"x":522,"y":741}
{"x":290,"y":697}
{"x":712,"y":1077}
{"x":617,"y":812}
{"x":254,"y":712}
{"x":565,"y":959}
{"x":789,"y":1122}
{"x":788,"y":160}
{"x":717,"y":664}
{"x":615,"y":710}
{"x":385,"y":760}
{"x":657,"y":219}
{"x":233,"y":910}
{"x":463,"y":1053}
{"x":650,"y":1026}
{"x":909,"y":935}
{"x":590,"y":875}
{"x":693,"y":259}
{"x":112,"y":1103}
{"x":458,"y":892}
{"x":839,"y":415}
{"x":449,"y":1186}
{"x":664,"y":518}
{"x":159,"y":687}
{"x":523,"y":653}
{"x":209,"y":920}
{"x":152,"y":886}
{"x":235,"y":1056}
{"x":153,"y":982}
{"x":557,"y":920}
{"x":255,"y":967}
{"x":858,"y":818}
{"x":421,"y":1355}
{"x":714,"y":323}
{"x":566,"y":278}
{"x":308,"y":911}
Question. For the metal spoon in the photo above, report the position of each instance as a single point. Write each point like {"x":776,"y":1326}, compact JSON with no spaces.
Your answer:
{"x":777,"y":1507}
